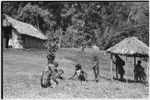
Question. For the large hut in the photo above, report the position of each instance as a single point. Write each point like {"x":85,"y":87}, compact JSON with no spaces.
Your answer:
{"x":129,"y":47}
{"x":21,"y":35}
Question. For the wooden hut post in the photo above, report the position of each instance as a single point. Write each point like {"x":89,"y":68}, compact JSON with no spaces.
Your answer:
{"x":98,"y":68}
{"x":134,"y":61}
{"x":126,"y":69}
{"x":148,"y":72}
{"x":134,"y":66}
{"x":111,"y":67}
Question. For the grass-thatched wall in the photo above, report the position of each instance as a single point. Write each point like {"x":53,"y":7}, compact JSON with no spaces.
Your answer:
{"x":32,"y":42}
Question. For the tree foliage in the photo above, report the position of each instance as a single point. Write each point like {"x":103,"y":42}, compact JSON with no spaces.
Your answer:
{"x":84,"y":23}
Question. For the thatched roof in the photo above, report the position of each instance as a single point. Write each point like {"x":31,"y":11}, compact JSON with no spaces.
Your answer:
{"x":23,"y":28}
{"x":130,"y":47}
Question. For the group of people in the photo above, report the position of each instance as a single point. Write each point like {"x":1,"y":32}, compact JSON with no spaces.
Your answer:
{"x":53,"y":73}
{"x":139,"y":74}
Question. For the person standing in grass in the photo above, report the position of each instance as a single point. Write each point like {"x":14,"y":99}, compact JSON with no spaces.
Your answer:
{"x":119,"y":66}
{"x":52,"y":48}
{"x":96,"y":68}
{"x":139,"y":73}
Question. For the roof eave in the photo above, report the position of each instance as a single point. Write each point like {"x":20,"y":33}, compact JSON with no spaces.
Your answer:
{"x":130,"y":55}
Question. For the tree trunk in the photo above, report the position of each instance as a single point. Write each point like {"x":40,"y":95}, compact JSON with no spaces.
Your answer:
{"x":60,"y":39}
{"x":111,"y":57}
{"x":129,"y":16}
{"x":73,"y":42}
{"x":7,"y":41}
{"x":97,"y":68}
{"x":134,"y":67}
{"x":37,"y":22}
{"x":127,"y":69}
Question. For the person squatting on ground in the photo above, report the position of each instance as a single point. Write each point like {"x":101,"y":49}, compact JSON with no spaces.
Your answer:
{"x":81,"y":75}
{"x":96,"y":68}
{"x":139,"y":73}
{"x":52,"y":73}
{"x":45,"y":78}
{"x":56,"y":73}
{"x":119,"y":66}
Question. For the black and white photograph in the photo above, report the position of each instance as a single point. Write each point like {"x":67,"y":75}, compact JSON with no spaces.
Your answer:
{"x":75,"y":49}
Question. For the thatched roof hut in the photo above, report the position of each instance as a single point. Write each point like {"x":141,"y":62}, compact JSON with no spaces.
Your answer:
{"x":23,"y":35}
{"x":23,"y":28}
{"x":130,"y":47}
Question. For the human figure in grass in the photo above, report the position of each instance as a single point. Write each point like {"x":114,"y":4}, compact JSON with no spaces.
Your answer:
{"x":57,"y":73}
{"x":52,"y":73}
{"x":139,"y":72}
{"x":119,"y":66}
{"x":81,"y":75}
{"x":52,"y":48}
{"x":96,"y":68}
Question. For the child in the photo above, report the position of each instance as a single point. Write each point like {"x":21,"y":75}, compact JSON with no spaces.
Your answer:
{"x":57,"y":73}
{"x":52,"y":66}
{"x":45,"y":78}
{"x":82,"y":75}
{"x":51,"y":74}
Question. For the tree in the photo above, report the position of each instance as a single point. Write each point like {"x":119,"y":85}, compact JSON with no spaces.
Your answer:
{"x":100,"y":23}
{"x":36,"y":16}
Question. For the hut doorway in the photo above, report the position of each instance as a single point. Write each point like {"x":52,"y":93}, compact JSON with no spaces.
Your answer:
{"x":7,"y":34}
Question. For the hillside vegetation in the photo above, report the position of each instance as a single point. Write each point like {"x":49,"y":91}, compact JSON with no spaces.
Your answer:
{"x":84,"y":23}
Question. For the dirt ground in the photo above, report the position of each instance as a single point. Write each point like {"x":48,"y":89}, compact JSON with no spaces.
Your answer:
{"x":22,"y":70}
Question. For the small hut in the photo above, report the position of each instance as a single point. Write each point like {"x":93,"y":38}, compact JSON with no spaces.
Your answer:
{"x":129,"y":47}
{"x":21,"y":35}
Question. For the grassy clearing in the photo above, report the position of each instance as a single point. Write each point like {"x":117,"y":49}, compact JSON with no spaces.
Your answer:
{"x":22,"y":70}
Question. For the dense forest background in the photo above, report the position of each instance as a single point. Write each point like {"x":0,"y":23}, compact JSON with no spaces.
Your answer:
{"x":84,"y":23}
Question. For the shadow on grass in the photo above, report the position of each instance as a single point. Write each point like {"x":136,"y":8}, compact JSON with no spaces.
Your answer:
{"x":133,"y":81}
{"x":92,"y":80}
{"x":104,"y":78}
{"x":130,"y":81}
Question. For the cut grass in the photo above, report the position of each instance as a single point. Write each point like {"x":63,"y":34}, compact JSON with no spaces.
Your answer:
{"x":22,"y":70}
